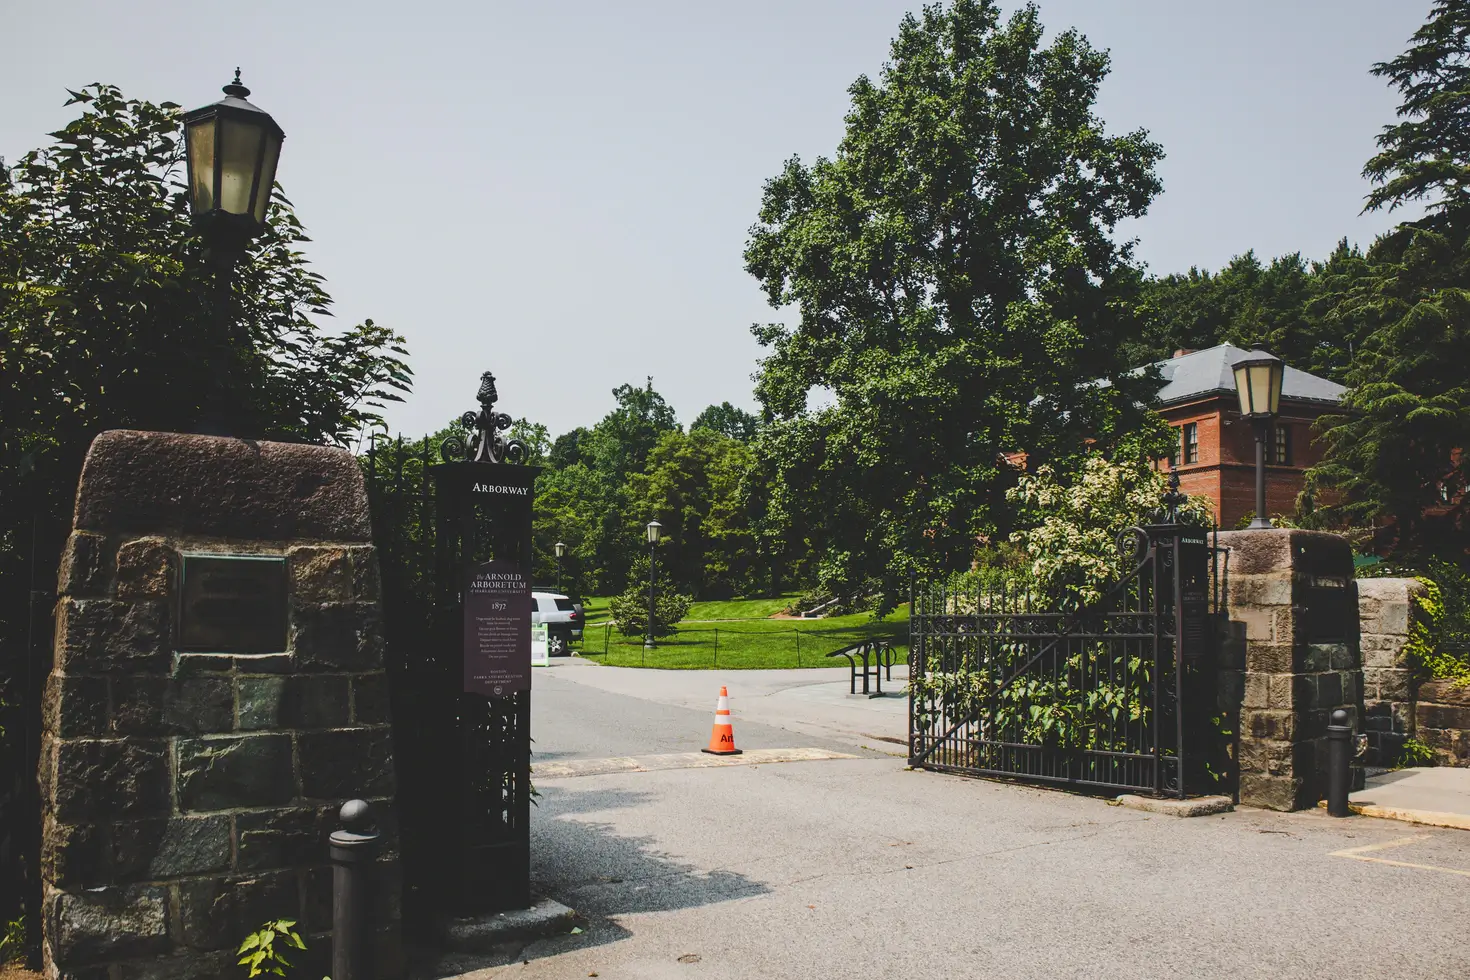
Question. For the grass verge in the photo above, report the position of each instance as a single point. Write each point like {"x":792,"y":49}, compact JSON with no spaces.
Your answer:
{"x":748,"y":645}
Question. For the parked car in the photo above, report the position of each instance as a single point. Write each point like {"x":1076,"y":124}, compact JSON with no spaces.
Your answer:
{"x":563,"y":621}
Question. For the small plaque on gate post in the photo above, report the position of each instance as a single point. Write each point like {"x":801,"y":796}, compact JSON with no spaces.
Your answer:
{"x":497,"y":630}
{"x":232,"y":604}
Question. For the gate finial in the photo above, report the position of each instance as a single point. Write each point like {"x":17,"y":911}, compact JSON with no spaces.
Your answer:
{"x":486,"y":445}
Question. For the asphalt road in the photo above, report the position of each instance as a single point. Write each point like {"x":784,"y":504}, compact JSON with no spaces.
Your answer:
{"x":857,"y":868}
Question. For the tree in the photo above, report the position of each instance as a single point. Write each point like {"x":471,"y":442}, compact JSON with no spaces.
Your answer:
{"x":621,"y":442}
{"x":692,"y":486}
{"x":1397,"y":453}
{"x":567,"y":449}
{"x":105,"y":299}
{"x":728,"y":420}
{"x":960,"y":293}
{"x":629,"y":610}
{"x":536,"y":437}
{"x":570,"y":508}
{"x":1249,"y":303}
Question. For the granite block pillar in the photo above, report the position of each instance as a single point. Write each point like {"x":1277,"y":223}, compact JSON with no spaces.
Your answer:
{"x":188,"y":791}
{"x":1295,"y":593}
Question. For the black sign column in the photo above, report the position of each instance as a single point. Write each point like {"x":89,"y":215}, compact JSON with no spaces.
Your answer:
{"x":483,"y":504}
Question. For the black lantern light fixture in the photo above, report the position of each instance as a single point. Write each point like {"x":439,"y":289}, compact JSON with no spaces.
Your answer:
{"x":1258,"y":378}
{"x":561,"y":549}
{"x":655,"y":532}
{"x":232,"y":150}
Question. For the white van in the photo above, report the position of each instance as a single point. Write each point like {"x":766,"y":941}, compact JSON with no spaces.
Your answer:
{"x":563,"y":621}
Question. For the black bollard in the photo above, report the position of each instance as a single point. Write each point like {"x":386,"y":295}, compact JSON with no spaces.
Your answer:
{"x":1339,"y":753}
{"x":353,"y":850}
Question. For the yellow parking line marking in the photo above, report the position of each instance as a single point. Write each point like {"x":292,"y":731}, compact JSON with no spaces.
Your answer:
{"x":1361,"y":854}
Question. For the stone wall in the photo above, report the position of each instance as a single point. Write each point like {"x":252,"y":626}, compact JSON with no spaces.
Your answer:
{"x":1396,"y":704}
{"x":1293,"y":591}
{"x":188,"y":796}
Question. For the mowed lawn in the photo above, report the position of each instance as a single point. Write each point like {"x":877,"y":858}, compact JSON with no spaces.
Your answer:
{"x":740,"y":634}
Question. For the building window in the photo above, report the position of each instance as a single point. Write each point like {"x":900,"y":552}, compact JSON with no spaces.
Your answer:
{"x":1281,"y":445}
{"x":1191,"y":442}
{"x":1174,"y":456}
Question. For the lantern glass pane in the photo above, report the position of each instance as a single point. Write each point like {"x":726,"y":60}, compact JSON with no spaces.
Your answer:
{"x":267,"y":175}
{"x":1242,"y":388}
{"x":200,"y":138}
{"x":1278,"y":371}
{"x":238,"y":154}
{"x":1260,"y":375}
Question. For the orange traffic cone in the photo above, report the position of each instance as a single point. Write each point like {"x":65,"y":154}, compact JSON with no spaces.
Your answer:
{"x":722,"y":738}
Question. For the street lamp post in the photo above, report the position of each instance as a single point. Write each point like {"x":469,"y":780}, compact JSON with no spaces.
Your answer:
{"x":1258,"y":378}
{"x":561,"y":550}
{"x":232,"y":148}
{"x":655,"y":531}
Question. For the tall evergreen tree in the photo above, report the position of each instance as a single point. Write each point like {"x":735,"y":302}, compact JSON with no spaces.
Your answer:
{"x":1398,"y":454}
{"x":1277,"y":305}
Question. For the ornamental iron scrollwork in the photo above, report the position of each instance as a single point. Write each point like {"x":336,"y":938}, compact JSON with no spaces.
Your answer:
{"x":486,"y":444}
{"x":1132,"y":547}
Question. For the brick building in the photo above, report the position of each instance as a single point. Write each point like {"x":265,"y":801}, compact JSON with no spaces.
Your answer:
{"x":1215,"y":455}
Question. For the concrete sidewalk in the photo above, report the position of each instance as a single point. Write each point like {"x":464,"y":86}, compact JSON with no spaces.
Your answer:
{"x":1437,"y":797}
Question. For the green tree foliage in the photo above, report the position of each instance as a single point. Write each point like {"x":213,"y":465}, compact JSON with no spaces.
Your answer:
{"x":629,"y":609}
{"x":584,"y":498}
{"x":1286,"y":306}
{"x":692,"y":486}
{"x":570,"y":506}
{"x":567,"y":448}
{"x":621,"y":442}
{"x":602,"y":486}
{"x":728,"y":420}
{"x":537,"y":439}
{"x":1398,"y":452}
{"x":959,"y":286}
{"x":105,"y":302}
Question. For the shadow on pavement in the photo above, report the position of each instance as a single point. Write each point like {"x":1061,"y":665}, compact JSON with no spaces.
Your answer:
{"x":588,"y":866}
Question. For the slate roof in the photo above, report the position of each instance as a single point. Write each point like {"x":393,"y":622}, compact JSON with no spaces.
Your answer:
{"x":1208,"y":372}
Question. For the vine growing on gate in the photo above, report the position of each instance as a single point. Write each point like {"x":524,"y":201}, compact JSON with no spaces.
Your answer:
{"x":1066,"y":561}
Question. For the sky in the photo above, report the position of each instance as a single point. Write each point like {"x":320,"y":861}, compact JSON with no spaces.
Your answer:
{"x":561,"y":193}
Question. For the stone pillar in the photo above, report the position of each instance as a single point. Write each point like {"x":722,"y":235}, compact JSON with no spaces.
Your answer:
{"x":1295,"y":592}
{"x":188,"y":793}
{"x":1397,"y":703}
{"x":1386,"y":611}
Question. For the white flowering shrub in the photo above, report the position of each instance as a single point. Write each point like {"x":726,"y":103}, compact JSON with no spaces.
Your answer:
{"x":1074,"y":547}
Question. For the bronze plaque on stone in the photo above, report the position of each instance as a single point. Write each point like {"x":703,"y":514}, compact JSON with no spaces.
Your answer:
{"x":497,"y":630}
{"x":232,"y":604}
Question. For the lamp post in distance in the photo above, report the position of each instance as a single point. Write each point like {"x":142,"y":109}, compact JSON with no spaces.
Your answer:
{"x":655,"y":532}
{"x":561,"y":549}
{"x":1258,"y":378}
{"x":232,"y":148}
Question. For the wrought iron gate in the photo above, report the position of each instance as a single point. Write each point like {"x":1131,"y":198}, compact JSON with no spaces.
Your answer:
{"x":1114,"y":694}
{"x":463,"y":760}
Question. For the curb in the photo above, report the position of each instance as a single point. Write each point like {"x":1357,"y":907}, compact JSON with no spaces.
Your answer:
{"x":1428,"y":818}
{"x":482,"y":934}
{"x":1201,"y":806}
